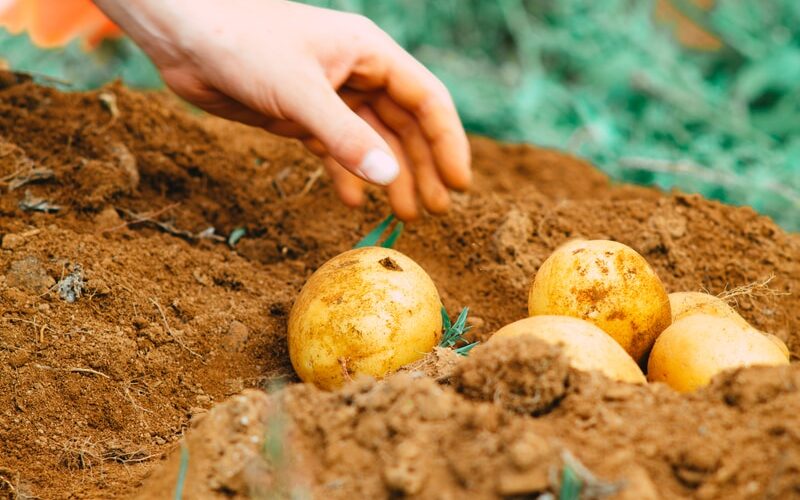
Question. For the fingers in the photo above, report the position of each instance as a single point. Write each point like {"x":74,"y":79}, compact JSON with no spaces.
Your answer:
{"x":414,"y":88}
{"x":352,"y":142}
{"x":401,"y":131}
{"x":312,"y":144}
{"x":402,"y":196}
{"x":432,"y":190}
{"x":417,"y":90}
{"x":348,"y":187}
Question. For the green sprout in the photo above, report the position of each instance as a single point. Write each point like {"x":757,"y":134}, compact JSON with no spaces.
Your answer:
{"x":182,"y":470}
{"x":570,"y":485}
{"x":454,"y":332}
{"x":371,"y":239}
{"x":236,"y":235}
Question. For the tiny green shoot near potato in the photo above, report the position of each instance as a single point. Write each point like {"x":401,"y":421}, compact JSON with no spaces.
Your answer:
{"x":371,"y":239}
{"x":235,"y":236}
{"x":570,"y":485}
{"x":454,"y":332}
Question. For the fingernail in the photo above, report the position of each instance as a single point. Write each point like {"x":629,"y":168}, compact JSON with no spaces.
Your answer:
{"x":379,"y":167}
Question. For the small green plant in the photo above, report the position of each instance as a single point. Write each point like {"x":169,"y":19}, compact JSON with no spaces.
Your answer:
{"x":236,"y":235}
{"x":182,"y":470}
{"x":570,"y":485}
{"x":371,"y":239}
{"x":454,"y":332}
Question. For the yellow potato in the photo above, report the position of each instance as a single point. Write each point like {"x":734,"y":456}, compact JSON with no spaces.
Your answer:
{"x":695,"y":348}
{"x":608,"y":284}
{"x":780,"y":343}
{"x":366,"y":311}
{"x":586,"y":346}
{"x":685,"y":304}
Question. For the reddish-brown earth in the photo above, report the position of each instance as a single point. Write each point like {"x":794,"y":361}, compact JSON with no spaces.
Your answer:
{"x":96,"y":394}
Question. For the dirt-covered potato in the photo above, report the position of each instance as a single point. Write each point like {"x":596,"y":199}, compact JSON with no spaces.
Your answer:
{"x":608,"y":284}
{"x":695,"y":348}
{"x":586,"y":346}
{"x":685,"y":304}
{"x":366,"y":311}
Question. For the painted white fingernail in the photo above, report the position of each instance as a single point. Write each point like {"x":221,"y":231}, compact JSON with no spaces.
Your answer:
{"x":379,"y":167}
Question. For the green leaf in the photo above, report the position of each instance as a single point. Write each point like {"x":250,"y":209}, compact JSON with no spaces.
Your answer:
{"x":371,"y":239}
{"x":445,"y":319}
{"x":236,"y":235}
{"x":396,"y":232}
{"x":570,"y":485}
{"x":182,"y":470}
{"x":453,"y":333}
{"x":464,"y":350}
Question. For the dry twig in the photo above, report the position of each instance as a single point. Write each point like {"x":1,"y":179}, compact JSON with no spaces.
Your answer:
{"x":31,"y":203}
{"x":122,"y":456}
{"x":88,"y":370}
{"x":9,"y":483}
{"x":149,"y":218}
{"x":26,"y":175}
{"x":79,"y":454}
{"x":312,"y":179}
{"x":126,"y":390}
{"x":170,"y":331}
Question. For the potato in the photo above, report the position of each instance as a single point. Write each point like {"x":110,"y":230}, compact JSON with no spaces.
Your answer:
{"x":780,"y":343}
{"x":695,"y":348}
{"x":366,"y":311}
{"x":608,"y":284}
{"x":586,"y":346}
{"x":685,"y":304}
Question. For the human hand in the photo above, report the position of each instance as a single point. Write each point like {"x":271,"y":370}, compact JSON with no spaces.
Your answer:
{"x":331,"y":79}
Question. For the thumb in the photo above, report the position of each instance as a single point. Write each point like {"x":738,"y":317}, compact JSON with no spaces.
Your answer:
{"x":347,"y":137}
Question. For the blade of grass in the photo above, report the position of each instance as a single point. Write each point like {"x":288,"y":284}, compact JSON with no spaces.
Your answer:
{"x":464,"y":350}
{"x":461,"y":321}
{"x":182,"y":470}
{"x":570,"y":485}
{"x":236,"y":235}
{"x":371,"y":239}
{"x":396,"y":232}
{"x":445,"y":320}
{"x":453,"y":333}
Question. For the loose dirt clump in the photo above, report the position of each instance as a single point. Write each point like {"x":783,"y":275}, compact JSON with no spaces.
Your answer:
{"x":521,"y":374}
{"x":128,"y":324}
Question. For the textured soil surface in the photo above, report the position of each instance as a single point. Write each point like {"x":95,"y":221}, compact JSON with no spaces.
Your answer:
{"x":127,"y":322}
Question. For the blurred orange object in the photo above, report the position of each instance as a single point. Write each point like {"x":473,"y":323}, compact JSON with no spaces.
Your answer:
{"x":686,"y":30}
{"x":53,"y":23}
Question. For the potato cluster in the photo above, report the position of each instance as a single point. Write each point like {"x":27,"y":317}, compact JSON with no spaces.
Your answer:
{"x":372,"y":310}
{"x":683,"y":339}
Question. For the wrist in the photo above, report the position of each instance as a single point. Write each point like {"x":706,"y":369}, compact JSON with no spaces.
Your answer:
{"x":154,"y":25}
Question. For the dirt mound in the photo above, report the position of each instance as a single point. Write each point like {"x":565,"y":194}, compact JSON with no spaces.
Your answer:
{"x":406,"y":436}
{"x":411,"y":436}
{"x":126,"y":316}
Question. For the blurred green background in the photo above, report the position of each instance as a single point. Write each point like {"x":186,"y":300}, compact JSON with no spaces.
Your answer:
{"x":602,"y":80}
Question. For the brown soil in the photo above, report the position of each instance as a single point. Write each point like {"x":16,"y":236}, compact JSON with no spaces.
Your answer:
{"x":95,"y":394}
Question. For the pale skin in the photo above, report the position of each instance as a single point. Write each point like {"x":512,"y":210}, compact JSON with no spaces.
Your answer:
{"x":333,"y":80}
